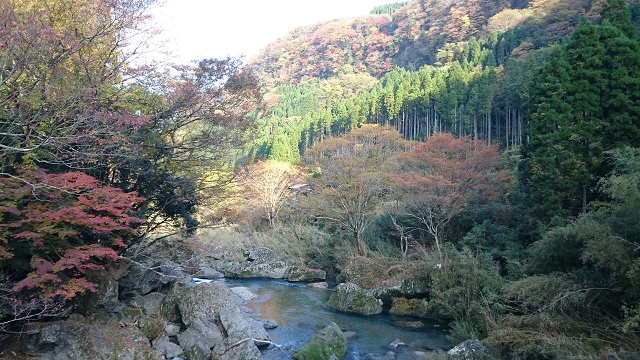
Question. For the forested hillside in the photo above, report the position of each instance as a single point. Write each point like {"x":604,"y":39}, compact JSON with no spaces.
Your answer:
{"x":472,"y":83}
{"x":539,"y":243}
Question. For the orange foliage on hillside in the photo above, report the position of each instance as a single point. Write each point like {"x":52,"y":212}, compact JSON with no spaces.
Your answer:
{"x":327,"y":49}
{"x":412,"y":37}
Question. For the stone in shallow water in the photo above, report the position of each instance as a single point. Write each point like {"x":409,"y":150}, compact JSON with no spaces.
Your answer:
{"x":410,"y":324}
{"x":268,"y":323}
{"x":244,"y":293}
{"x":329,"y":341}
{"x":350,"y":335}
{"x":396,"y":343}
{"x":390,"y":355}
{"x":349,"y":297}
{"x":318,"y":285}
{"x":303,"y":274}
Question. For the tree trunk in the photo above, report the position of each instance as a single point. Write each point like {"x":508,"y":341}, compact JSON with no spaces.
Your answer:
{"x":359,"y":244}
{"x":435,"y":236}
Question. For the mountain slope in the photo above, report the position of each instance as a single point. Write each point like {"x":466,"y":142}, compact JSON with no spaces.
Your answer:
{"x":423,"y":32}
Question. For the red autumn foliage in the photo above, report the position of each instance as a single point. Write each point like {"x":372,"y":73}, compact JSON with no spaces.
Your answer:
{"x":72,"y":225}
{"x":444,"y":175}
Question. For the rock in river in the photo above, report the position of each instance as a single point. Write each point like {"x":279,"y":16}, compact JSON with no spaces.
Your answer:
{"x":349,"y":297}
{"x":330,"y":341}
{"x":303,"y":274}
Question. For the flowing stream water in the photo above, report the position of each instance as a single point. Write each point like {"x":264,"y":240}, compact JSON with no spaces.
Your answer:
{"x":300,"y":313}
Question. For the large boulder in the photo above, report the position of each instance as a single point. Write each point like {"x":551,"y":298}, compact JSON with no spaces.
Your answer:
{"x":206,"y":271}
{"x":248,"y":262}
{"x":260,"y":254}
{"x":410,"y":288}
{"x":248,"y":269}
{"x":329,"y":342}
{"x":146,"y":278}
{"x":198,"y":351}
{"x":104,"y":302}
{"x":203,"y":301}
{"x":387,"y":280}
{"x":204,"y":333}
{"x":80,"y":339}
{"x":204,"y":307}
{"x":303,"y":274}
{"x":239,"y":326}
{"x":349,"y":297}
{"x":469,"y":350}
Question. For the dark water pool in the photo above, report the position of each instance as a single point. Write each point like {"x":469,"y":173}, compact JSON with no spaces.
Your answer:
{"x":301,"y":313}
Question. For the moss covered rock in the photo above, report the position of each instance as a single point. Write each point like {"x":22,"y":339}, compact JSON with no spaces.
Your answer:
{"x":410,"y":307}
{"x":349,"y":297}
{"x":410,"y":324}
{"x":329,"y":341}
{"x":303,"y":274}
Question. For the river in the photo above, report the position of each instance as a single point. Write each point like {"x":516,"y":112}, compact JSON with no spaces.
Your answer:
{"x":300,"y":313}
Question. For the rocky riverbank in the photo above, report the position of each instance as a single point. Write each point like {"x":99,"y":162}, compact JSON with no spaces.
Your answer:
{"x":171,"y":307}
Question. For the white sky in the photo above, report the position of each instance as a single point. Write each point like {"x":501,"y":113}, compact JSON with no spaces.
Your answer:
{"x":196,"y":29}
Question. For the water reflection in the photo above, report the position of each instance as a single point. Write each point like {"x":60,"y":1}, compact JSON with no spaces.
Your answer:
{"x":301,"y":314}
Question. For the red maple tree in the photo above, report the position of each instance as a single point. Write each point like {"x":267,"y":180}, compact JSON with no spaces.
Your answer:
{"x":70,"y":224}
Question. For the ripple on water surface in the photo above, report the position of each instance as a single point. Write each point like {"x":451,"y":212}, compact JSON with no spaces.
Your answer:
{"x":301,"y":313}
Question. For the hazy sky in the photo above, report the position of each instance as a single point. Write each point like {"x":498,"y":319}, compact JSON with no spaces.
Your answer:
{"x":217,"y":28}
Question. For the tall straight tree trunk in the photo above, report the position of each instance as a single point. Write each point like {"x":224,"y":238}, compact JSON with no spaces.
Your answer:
{"x":498,"y":125}
{"x":507,"y":124}
{"x":520,"y":126}
{"x":489,"y":128}
{"x":461,"y":120}
{"x":584,"y":198}
{"x":475,"y":127}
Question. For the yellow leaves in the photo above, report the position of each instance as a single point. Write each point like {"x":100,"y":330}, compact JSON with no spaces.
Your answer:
{"x":66,"y":14}
{"x":506,"y":19}
{"x":465,"y":20}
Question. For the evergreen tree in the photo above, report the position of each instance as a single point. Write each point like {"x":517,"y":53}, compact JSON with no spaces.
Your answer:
{"x":547,"y":156}
{"x":618,"y":14}
{"x":585,"y":101}
{"x":621,"y":99}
